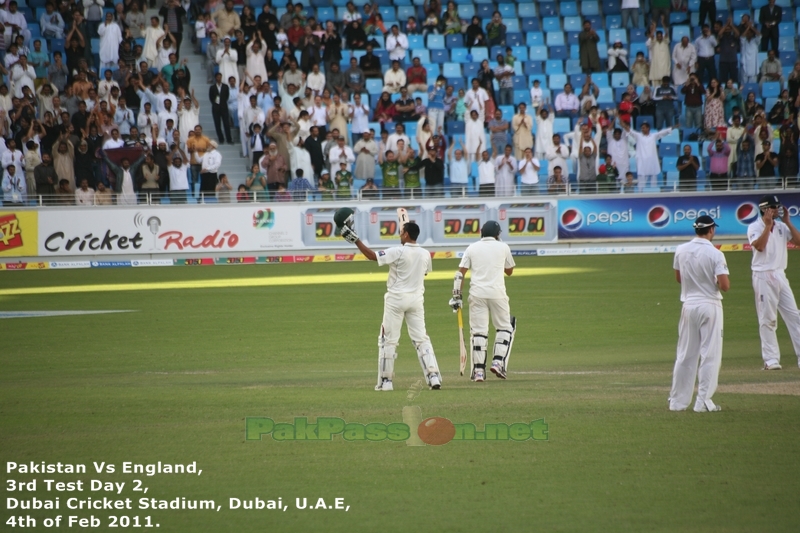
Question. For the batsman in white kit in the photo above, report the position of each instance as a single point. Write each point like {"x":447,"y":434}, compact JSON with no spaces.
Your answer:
{"x":702,"y":272}
{"x":768,"y":237}
{"x":489,"y":259}
{"x":404,"y":299}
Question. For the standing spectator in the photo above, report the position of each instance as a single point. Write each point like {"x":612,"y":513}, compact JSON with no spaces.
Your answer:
{"x":498,"y":130}
{"x":365,"y":149}
{"x":718,"y":153}
{"x":587,"y":43}
{"x":135,"y":20}
{"x":521,"y":130}
{"x":355,"y":79}
{"x":684,"y":59}
{"x":496,"y":31}
{"x":687,"y":166}
{"x":475,"y":100}
{"x":223,"y":190}
{"x":22,"y":74}
{"x":505,"y":79}
{"x":789,"y":167}
{"x":475,"y":137}
{"x":749,"y":44}
{"x":63,"y":155}
{"x":728,"y":52}
{"x":46,"y":178}
{"x":397,"y":45}
{"x":417,"y":77}
{"x":529,"y":173}
{"x":648,"y":165}
{"x":587,"y":168}
{"x":152,"y":34}
{"x":630,"y":11}
{"x":227,"y":20}
{"x":505,"y":173}
{"x":708,"y":8}
{"x":436,"y":95}
{"x":557,"y":154}
{"x":693,"y":93}
{"x":659,"y":12}
{"x":617,"y":148}
{"x":210,"y":164}
{"x":659,"y":54}
{"x":57,"y":72}
{"x":706,"y":49}
{"x":173,"y":14}
{"x":218,"y":94}
{"x":714,"y":115}
{"x":275,"y":167}
{"x":665,"y":96}
{"x":770,"y":17}
{"x":14,"y":187}
{"x":771,"y":69}
{"x":211,"y":55}
{"x":486,"y":175}
{"x":124,"y":178}
{"x":766,"y":163}
{"x":51,"y":23}
{"x":227,"y":59}
{"x":309,"y":46}
{"x":355,"y":36}
{"x":745,"y":163}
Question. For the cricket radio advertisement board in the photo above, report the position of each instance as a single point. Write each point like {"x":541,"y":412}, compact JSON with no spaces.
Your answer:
{"x":661,"y":216}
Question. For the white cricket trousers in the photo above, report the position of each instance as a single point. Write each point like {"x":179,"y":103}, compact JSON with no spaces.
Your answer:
{"x":774,"y":294}
{"x":481,"y":308}
{"x":699,"y":337}
{"x":397,"y":307}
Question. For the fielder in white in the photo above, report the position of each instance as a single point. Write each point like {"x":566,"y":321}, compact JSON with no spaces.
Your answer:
{"x":702,"y":272}
{"x":489,"y":259}
{"x":408,"y":266}
{"x":768,"y":237}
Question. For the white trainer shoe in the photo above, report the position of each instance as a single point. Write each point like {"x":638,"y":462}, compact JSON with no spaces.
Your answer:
{"x":703,"y":408}
{"x":773,"y":366}
{"x":497,"y":369}
{"x":480,"y":375}
{"x":436,"y":383}
{"x":386,"y":385}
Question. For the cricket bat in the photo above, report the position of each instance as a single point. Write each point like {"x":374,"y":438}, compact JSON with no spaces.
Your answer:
{"x":402,"y":218}
{"x":462,"y":347}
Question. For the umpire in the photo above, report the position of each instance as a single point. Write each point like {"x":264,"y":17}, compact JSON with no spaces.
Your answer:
{"x":702,"y":272}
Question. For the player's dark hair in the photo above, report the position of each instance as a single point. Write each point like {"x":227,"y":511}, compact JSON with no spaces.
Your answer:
{"x":412,"y":229}
{"x":703,"y":231}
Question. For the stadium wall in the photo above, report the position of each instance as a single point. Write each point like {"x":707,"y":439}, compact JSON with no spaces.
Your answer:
{"x":274,"y":229}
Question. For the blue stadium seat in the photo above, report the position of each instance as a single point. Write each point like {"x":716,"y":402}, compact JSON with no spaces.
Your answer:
{"x":435,"y":42}
{"x":590,"y":8}
{"x":458,"y":55}
{"x":403,"y":12}
{"x":508,"y":112}
{"x":557,"y":81}
{"x":614,"y":22}
{"x":527,"y":9}
{"x":786,"y":44}
{"x":416,"y":42}
{"x":484,"y":11}
{"x":520,"y":82}
{"x":453,"y":41}
{"x":374,"y":86}
{"x":577,"y":80}
{"x":568,"y":9}
{"x":451,"y":70}
{"x":667,"y":150}
{"x":538,"y":53}
{"x":617,"y":35}
{"x":770,"y":89}
{"x":534,"y":38}
{"x":679,"y":32}
{"x":454,"y":127}
{"x":596,"y":21}
{"x":601,"y":80}
{"x":573,"y":67}
{"x":611,"y":7}
{"x":638,"y":35}
{"x":479,"y":54}
{"x":555,"y":38}
{"x":547,"y":9}
{"x":522,"y":96}
{"x":466,"y":11}
{"x":530,"y":24}
{"x":550,"y":24}
{"x":573,"y":24}
{"x":457,"y":83}
{"x":326,"y":13}
{"x":532,"y":67}
{"x":507,"y":11}
{"x":424,"y":56}
{"x":520,"y":52}
{"x":514,"y":39}
{"x":559,"y":52}
{"x":470,"y":70}
{"x":740,"y":4}
{"x":388,"y":13}
{"x":440,"y":56}
{"x":512,"y":25}
{"x":561,"y":125}
{"x":787,"y":58}
{"x":554,"y":66}
{"x":620,"y":79}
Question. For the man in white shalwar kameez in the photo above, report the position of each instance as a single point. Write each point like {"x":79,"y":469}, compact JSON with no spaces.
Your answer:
{"x":648,"y":167}
{"x":11,"y":17}
{"x":226,"y":59}
{"x":659,"y":56}
{"x":748,"y":55}
{"x":110,"y":39}
{"x":617,"y":148}
{"x":151,"y":36}
{"x":475,"y":137}
{"x":544,"y":132}
{"x":684,"y":59}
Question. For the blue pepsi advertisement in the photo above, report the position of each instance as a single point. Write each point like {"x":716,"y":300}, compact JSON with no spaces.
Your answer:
{"x":661,"y":216}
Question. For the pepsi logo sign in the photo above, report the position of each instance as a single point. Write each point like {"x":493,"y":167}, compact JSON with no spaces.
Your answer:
{"x":659,"y":216}
{"x":571,"y":219}
{"x":747,"y":213}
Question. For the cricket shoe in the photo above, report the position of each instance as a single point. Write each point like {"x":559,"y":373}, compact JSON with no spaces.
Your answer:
{"x":497,"y":369}
{"x":705,"y":408}
{"x":773,"y":366}
{"x":386,"y":385}
{"x":479,"y":376}
{"x":435,"y":382}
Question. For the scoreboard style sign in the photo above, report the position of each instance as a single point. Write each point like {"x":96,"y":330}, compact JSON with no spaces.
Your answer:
{"x":523,"y":222}
{"x":384,"y":229}
{"x":458,"y":223}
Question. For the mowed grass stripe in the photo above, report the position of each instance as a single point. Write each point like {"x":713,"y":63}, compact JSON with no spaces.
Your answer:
{"x":326,"y":279}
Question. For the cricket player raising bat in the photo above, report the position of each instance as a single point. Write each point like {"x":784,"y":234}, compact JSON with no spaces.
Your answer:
{"x":489,"y":259}
{"x":408,"y":266}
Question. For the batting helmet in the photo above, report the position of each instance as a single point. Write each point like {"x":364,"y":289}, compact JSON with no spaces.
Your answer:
{"x":344,"y":216}
{"x":490,"y":229}
{"x":769,"y":200}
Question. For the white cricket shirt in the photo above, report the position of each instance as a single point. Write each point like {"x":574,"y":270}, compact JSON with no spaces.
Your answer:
{"x":699,"y":263}
{"x":408,"y":265}
{"x":774,"y":255}
{"x":487,"y":259}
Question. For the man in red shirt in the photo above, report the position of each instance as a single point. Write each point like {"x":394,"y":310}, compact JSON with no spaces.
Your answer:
{"x":417,"y":77}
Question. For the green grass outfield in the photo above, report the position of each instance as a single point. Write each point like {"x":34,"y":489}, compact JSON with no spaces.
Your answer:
{"x":174,"y":380}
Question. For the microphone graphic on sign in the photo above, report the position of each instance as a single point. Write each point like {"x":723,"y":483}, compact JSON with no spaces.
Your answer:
{"x":154,"y":223}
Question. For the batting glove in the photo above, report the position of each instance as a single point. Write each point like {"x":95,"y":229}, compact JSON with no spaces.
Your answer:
{"x":349,"y":234}
{"x":456,"y":303}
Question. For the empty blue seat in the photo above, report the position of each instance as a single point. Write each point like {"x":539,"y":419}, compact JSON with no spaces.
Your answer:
{"x":568,"y":9}
{"x":440,"y":56}
{"x":520,"y":82}
{"x":479,"y":54}
{"x":454,"y":127}
{"x":507,"y":11}
{"x":457,"y":83}
{"x":416,"y":42}
{"x":590,"y":8}
{"x":435,"y":42}
{"x":514,"y":39}
{"x":573,"y":24}
{"x":679,"y":32}
{"x":555,"y":38}
{"x":557,"y":81}
{"x":554,"y":66}
{"x":573,"y":67}
{"x":388,"y":13}
{"x":667,"y":150}
{"x":458,"y":55}
{"x":520,"y":52}
{"x":326,"y":13}
{"x":559,"y":52}
{"x":611,"y":7}
{"x":573,"y":38}
{"x":638,"y":35}
{"x":534,"y":38}
{"x":532,"y":67}
{"x":787,"y":58}
{"x":770,"y":89}
{"x":786,"y":44}
{"x":374,"y":86}
{"x":617,"y":35}
{"x":527,"y":9}
{"x":403,"y":12}
{"x":453,"y":41}
{"x":466,"y":11}
{"x":577,"y":80}
{"x":613,"y":22}
{"x":620,"y":79}
{"x":470,"y":70}
{"x":561,"y":125}
{"x":484,"y":11}
{"x":530,"y":24}
{"x":550,"y":24}
{"x":523,"y":96}
{"x":451,"y":70}
{"x":547,"y":9}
